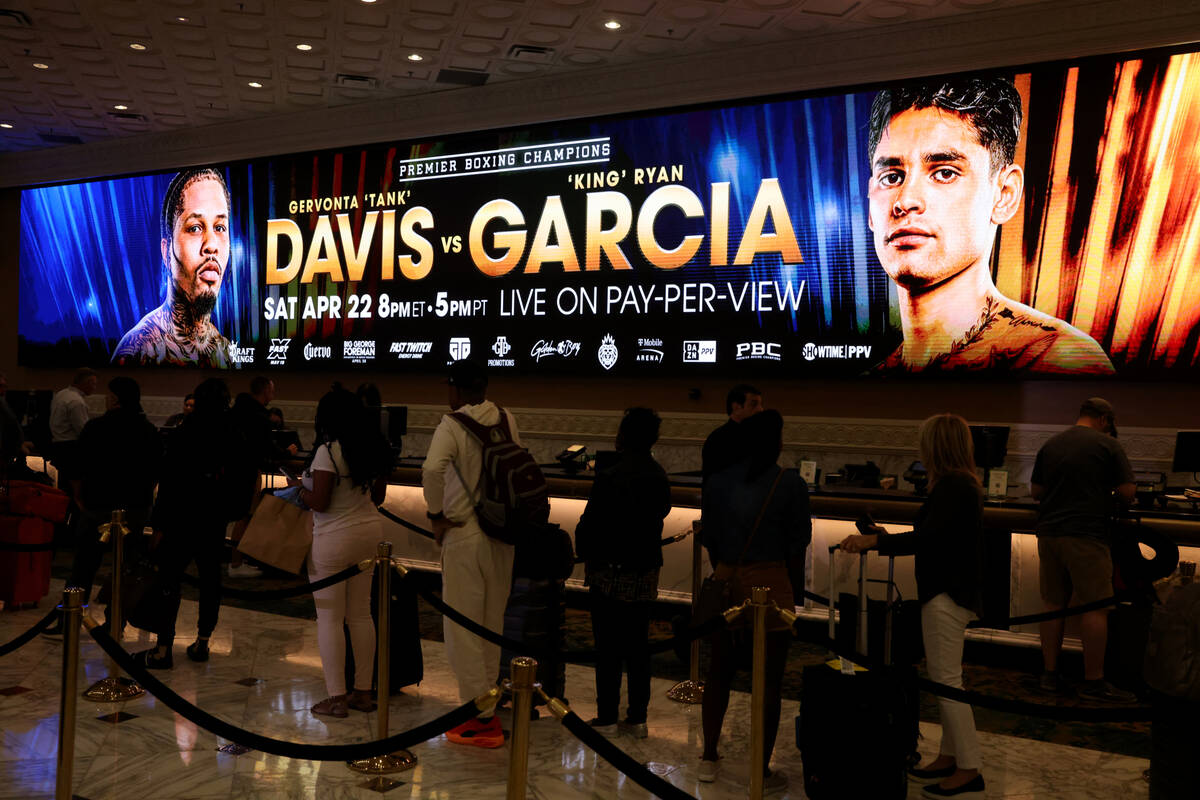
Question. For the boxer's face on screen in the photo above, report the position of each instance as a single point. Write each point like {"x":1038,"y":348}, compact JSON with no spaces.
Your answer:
{"x":198,"y":252}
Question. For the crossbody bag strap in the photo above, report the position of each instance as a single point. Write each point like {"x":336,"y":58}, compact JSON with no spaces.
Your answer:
{"x":761,"y":513}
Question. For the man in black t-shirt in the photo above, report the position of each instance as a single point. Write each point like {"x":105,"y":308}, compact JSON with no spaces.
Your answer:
{"x":724,"y":447}
{"x":1079,"y":476}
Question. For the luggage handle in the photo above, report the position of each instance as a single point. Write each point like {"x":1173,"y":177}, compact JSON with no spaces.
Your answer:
{"x":862,"y":603}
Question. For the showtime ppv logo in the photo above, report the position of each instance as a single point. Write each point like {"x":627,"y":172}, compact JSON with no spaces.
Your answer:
{"x":811,"y":351}
{"x":312,"y":351}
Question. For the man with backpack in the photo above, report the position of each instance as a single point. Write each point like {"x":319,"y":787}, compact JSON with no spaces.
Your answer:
{"x":482,"y":490}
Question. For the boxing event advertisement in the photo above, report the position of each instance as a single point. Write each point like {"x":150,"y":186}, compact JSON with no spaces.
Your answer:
{"x":1041,"y":222}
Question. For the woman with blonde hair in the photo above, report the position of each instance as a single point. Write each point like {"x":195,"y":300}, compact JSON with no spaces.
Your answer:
{"x":946,"y":541}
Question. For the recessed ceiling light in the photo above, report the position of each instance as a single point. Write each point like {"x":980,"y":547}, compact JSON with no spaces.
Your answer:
{"x":136,"y":46}
{"x":613,"y":25}
{"x":5,"y":124}
{"x":254,"y":85}
{"x":121,"y":107}
{"x":181,"y":19}
{"x":304,"y":47}
{"x":368,"y":2}
{"x":40,"y":65}
{"x":415,"y":57}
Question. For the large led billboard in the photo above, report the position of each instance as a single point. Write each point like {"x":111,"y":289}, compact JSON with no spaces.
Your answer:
{"x":1036,"y":222}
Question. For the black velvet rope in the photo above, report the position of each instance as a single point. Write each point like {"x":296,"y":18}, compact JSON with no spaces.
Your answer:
{"x":1023,"y":707}
{"x":280,"y":594}
{"x":622,"y":760}
{"x":28,"y":636}
{"x":660,"y":646}
{"x":278,"y":747}
{"x":20,"y":547}
{"x":428,"y":534}
{"x":1028,"y":619}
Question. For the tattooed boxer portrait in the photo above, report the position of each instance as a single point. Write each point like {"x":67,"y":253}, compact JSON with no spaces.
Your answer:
{"x":195,"y":256}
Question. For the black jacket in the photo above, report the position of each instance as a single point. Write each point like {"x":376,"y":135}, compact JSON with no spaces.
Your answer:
{"x":623,"y":521}
{"x":208,"y":474}
{"x":119,"y":457}
{"x":947,"y":541}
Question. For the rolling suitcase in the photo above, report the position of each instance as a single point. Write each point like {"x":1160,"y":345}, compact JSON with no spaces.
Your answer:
{"x":24,"y":577}
{"x":856,"y":732}
{"x":536,"y":613}
{"x":404,"y":649}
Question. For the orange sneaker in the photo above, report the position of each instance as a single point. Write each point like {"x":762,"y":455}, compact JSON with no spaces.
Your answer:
{"x":478,"y":733}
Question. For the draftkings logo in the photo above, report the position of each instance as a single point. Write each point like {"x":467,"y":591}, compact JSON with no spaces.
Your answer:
{"x":240,"y":355}
{"x":358,"y":351}
{"x":278,"y":352}
{"x":700,"y":352}
{"x":316,"y":351}
{"x":501,"y":348}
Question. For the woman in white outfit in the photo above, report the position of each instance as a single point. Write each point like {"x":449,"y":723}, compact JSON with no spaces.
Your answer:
{"x":946,"y":541}
{"x":343,"y":486}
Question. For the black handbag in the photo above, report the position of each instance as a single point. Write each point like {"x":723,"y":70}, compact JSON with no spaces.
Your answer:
{"x":716,"y":594}
{"x":146,"y":598}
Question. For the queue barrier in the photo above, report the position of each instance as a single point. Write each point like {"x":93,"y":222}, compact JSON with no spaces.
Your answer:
{"x":28,"y":636}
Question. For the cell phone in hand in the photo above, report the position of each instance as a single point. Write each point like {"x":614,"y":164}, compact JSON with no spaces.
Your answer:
{"x":865,"y":524}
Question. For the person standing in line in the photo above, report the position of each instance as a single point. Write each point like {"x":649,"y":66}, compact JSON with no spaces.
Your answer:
{"x":476,"y":569}
{"x":726,"y":445}
{"x":203,"y":467}
{"x":619,"y":538}
{"x":118,"y":468}
{"x":68,"y":415}
{"x":946,"y":541}
{"x":344,"y":486}
{"x":1079,"y":476}
{"x":756,"y":528}
{"x":189,"y":405}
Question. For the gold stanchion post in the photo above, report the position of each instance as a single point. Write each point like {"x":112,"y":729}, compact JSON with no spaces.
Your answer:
{"x":400,"y":760}
{"x":72,"y":611}
{"x":760,"y":602}
{"x":115,"y":688}
{"x":524,"y":677}
{"x":692,"y":690}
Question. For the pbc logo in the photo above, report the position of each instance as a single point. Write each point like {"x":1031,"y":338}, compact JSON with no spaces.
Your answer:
{"x":312,"y":351}
{"x":460,"y":348}
{"x":700,"y":352}
{"x":278,"y":352}
{"x":760,"y":351}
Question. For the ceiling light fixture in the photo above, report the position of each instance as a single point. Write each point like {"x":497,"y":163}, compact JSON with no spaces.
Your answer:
{"x":304,"y":47}
{"x":121,"y":107}
{"x":254,"y":85}
{"x":613,"y":25}
{"x":368,"y":2}
{"x":415,"y":57}
{"x":5,"y":125}
{"x":137,"y":46}
{"x":40,"y":65}
{"x":181,"y":19}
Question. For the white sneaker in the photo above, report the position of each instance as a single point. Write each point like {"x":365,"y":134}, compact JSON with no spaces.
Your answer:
{"x":708,"y":770}
{"x":244,"y":571}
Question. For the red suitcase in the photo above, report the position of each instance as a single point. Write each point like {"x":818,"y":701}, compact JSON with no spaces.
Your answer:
{"x":24,"y":577}
{"x":30,"y":499}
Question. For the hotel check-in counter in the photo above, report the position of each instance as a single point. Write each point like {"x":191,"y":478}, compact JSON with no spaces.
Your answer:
{"x":1011,"y":561}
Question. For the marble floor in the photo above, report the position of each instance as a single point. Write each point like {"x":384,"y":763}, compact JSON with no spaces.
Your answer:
{"x":157,"y":754}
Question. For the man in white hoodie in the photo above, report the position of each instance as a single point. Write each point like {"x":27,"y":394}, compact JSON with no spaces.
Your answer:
{"x":476,"y":569}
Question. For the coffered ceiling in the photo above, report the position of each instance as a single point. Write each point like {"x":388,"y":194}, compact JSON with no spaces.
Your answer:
{"x":76,"y":71}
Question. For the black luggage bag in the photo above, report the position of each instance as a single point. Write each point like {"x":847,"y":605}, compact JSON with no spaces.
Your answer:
{"x":857,"y":733}
{"x":404,"y":648}
{"x":536,"y":614}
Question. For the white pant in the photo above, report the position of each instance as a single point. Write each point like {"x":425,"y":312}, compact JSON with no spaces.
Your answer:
{"x":943,"y":627}
{"x":349,"y":600}
{"x":476,"y":579}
